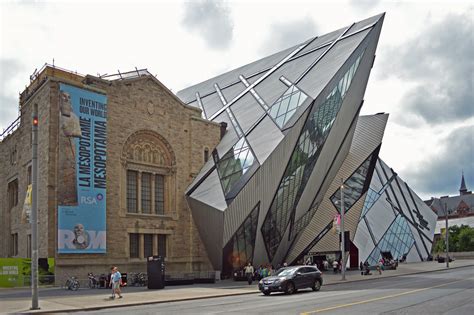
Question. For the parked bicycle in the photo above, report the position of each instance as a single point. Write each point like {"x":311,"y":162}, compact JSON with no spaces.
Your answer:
{"x":93,"y":282}
{"x":138,"y":279}
{"x":72,"y":283}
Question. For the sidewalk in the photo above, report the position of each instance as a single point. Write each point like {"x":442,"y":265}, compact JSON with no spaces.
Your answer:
{"x":57,"y":299}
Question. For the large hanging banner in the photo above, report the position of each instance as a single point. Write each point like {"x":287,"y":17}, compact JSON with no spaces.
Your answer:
{"x":82,"y":171}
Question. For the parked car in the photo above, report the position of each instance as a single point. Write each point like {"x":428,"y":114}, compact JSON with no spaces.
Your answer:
{"x":290,"y":279}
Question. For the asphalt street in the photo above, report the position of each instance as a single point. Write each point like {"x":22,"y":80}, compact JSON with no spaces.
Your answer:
{"x":442,"y":292}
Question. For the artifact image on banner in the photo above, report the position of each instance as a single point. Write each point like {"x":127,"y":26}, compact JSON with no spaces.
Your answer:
{"x":82,"y":172}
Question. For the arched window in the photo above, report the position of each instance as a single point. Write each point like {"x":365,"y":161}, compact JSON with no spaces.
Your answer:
{"x":149,"y":165}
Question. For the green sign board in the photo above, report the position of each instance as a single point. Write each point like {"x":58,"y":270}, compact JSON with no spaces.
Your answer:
{"x":16,"y":272}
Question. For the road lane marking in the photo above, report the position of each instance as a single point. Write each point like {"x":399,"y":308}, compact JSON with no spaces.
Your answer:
{"x":380,"y":298}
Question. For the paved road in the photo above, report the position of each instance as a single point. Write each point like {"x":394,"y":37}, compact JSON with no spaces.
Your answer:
{"x":445,"y":292}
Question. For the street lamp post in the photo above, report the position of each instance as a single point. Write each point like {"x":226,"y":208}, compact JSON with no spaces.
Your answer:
{"x":343,"y":234}
{"x":447,"y":235}
{"x":34,"y":211}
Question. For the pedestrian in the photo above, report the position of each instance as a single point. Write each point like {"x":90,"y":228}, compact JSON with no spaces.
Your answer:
{"x":379,"y":267}
{"x":115,"y":282}
{"x":366,"y":268}
{"x":361,"y":266}
{"x":249,"y":273}
{"x":325,"y":264}
{"x":335,"y":266}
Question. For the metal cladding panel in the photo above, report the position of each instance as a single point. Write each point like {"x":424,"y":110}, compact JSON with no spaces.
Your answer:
{"x":377,"y":182}
{"x":330,"y":242}
{"x":211,"y":104}
{"x":361,"y":24}
{"x":206,"y":168}
{"x":322,"y":40}
{"x":325,"y":212}
{"x":413,"y":255}
{"x":320,"y":75}
{"x":271,"y":88}
{"x":206,"y":87}
{"x":232,"y":91}
{"x":247,"y":111}
{"x":380,"y":217}
{"x":209,"y":222}
{"x":367,"y":137}
{"x":210,"y":192}
{"x":363,"y":241}
{"x":261,"y":187}
{"x":422,"y":218}
{"x":230,"y":138}
{"x":264,"y":138}
{"x":348,"y":111}
{"x":400,"y":203}
{"x":293,"y":69}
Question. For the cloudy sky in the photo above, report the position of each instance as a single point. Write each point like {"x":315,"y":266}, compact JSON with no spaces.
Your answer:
{"x":423,"y":74}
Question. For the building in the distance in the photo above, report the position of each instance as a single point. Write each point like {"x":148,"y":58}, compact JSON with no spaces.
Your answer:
{"x":115,"y":156}
{"x":458,"y":206}
{"x":271,"y":191}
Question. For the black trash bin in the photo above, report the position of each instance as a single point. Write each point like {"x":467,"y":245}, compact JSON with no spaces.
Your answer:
{"x":156,"y":272}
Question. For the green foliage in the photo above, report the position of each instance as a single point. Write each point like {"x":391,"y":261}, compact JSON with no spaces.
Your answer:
{"x":461,"y":239}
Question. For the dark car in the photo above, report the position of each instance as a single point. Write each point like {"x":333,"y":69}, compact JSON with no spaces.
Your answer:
{"x":290,"y":279}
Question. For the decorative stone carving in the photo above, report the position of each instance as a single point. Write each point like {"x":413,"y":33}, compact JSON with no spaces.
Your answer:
{"x":150,"y":108}
{"x":148,"y":147}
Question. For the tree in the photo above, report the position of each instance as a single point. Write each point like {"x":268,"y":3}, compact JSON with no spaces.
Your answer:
{"x":461,"y":239}
{"x":466,"y":239}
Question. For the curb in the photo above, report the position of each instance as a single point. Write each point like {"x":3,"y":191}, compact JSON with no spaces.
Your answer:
{"x":96,"y":308}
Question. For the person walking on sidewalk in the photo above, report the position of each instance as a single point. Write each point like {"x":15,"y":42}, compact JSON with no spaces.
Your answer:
{"x":249,"y":273}
{"x":115,"y":282}
{"x":379,"y":267}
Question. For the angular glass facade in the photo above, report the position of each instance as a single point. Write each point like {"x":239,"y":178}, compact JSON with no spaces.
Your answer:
{"x":302,"y":161}
{"x":373,"y":196}
{"x":284,"y":108}
{"x":234,"y":164}
{"x":356,"y":185}
{"x":239,"y":250}
{"x":398,"y":240}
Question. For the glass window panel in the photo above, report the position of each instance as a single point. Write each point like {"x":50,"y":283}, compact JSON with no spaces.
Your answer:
{"x":162,"y":245}
{"x":159,"y":194}
{"x":146,"y":192}
{"x":134,"y":245}
{"x":315,"y":130}
{"x":148,"y":245}
{"x":132,"y":191}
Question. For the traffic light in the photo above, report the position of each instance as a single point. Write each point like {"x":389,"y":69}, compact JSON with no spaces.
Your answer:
{"x":35,"y":121}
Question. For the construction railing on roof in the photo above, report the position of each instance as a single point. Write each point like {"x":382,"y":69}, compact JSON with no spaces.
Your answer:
{"x":126,"y":75}
{"x":39,"y":77}
{"x":10,"y":129}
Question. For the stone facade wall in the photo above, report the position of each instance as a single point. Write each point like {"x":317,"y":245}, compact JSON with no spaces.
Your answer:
{"x":140,"y":107}
{"x":12,"y":220}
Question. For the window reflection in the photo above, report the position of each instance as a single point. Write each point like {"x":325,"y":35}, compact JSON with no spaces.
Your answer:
{"x":398,"y":240}
{"x":239,"y":250}
{"x":284,"y":108}
{"x":304,"y":157}
{"x":235,"y":163}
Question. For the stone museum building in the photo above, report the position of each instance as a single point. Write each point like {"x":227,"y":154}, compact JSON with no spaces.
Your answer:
{"x":155,"y":145}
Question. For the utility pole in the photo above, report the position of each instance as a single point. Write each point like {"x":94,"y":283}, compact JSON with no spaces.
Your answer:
{"x":447,"y":235}
{"x":343,"y":234}
{"x":34,"y":211}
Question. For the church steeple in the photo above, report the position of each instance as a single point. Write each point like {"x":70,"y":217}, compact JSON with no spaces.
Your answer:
{"x":463,"y":189}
